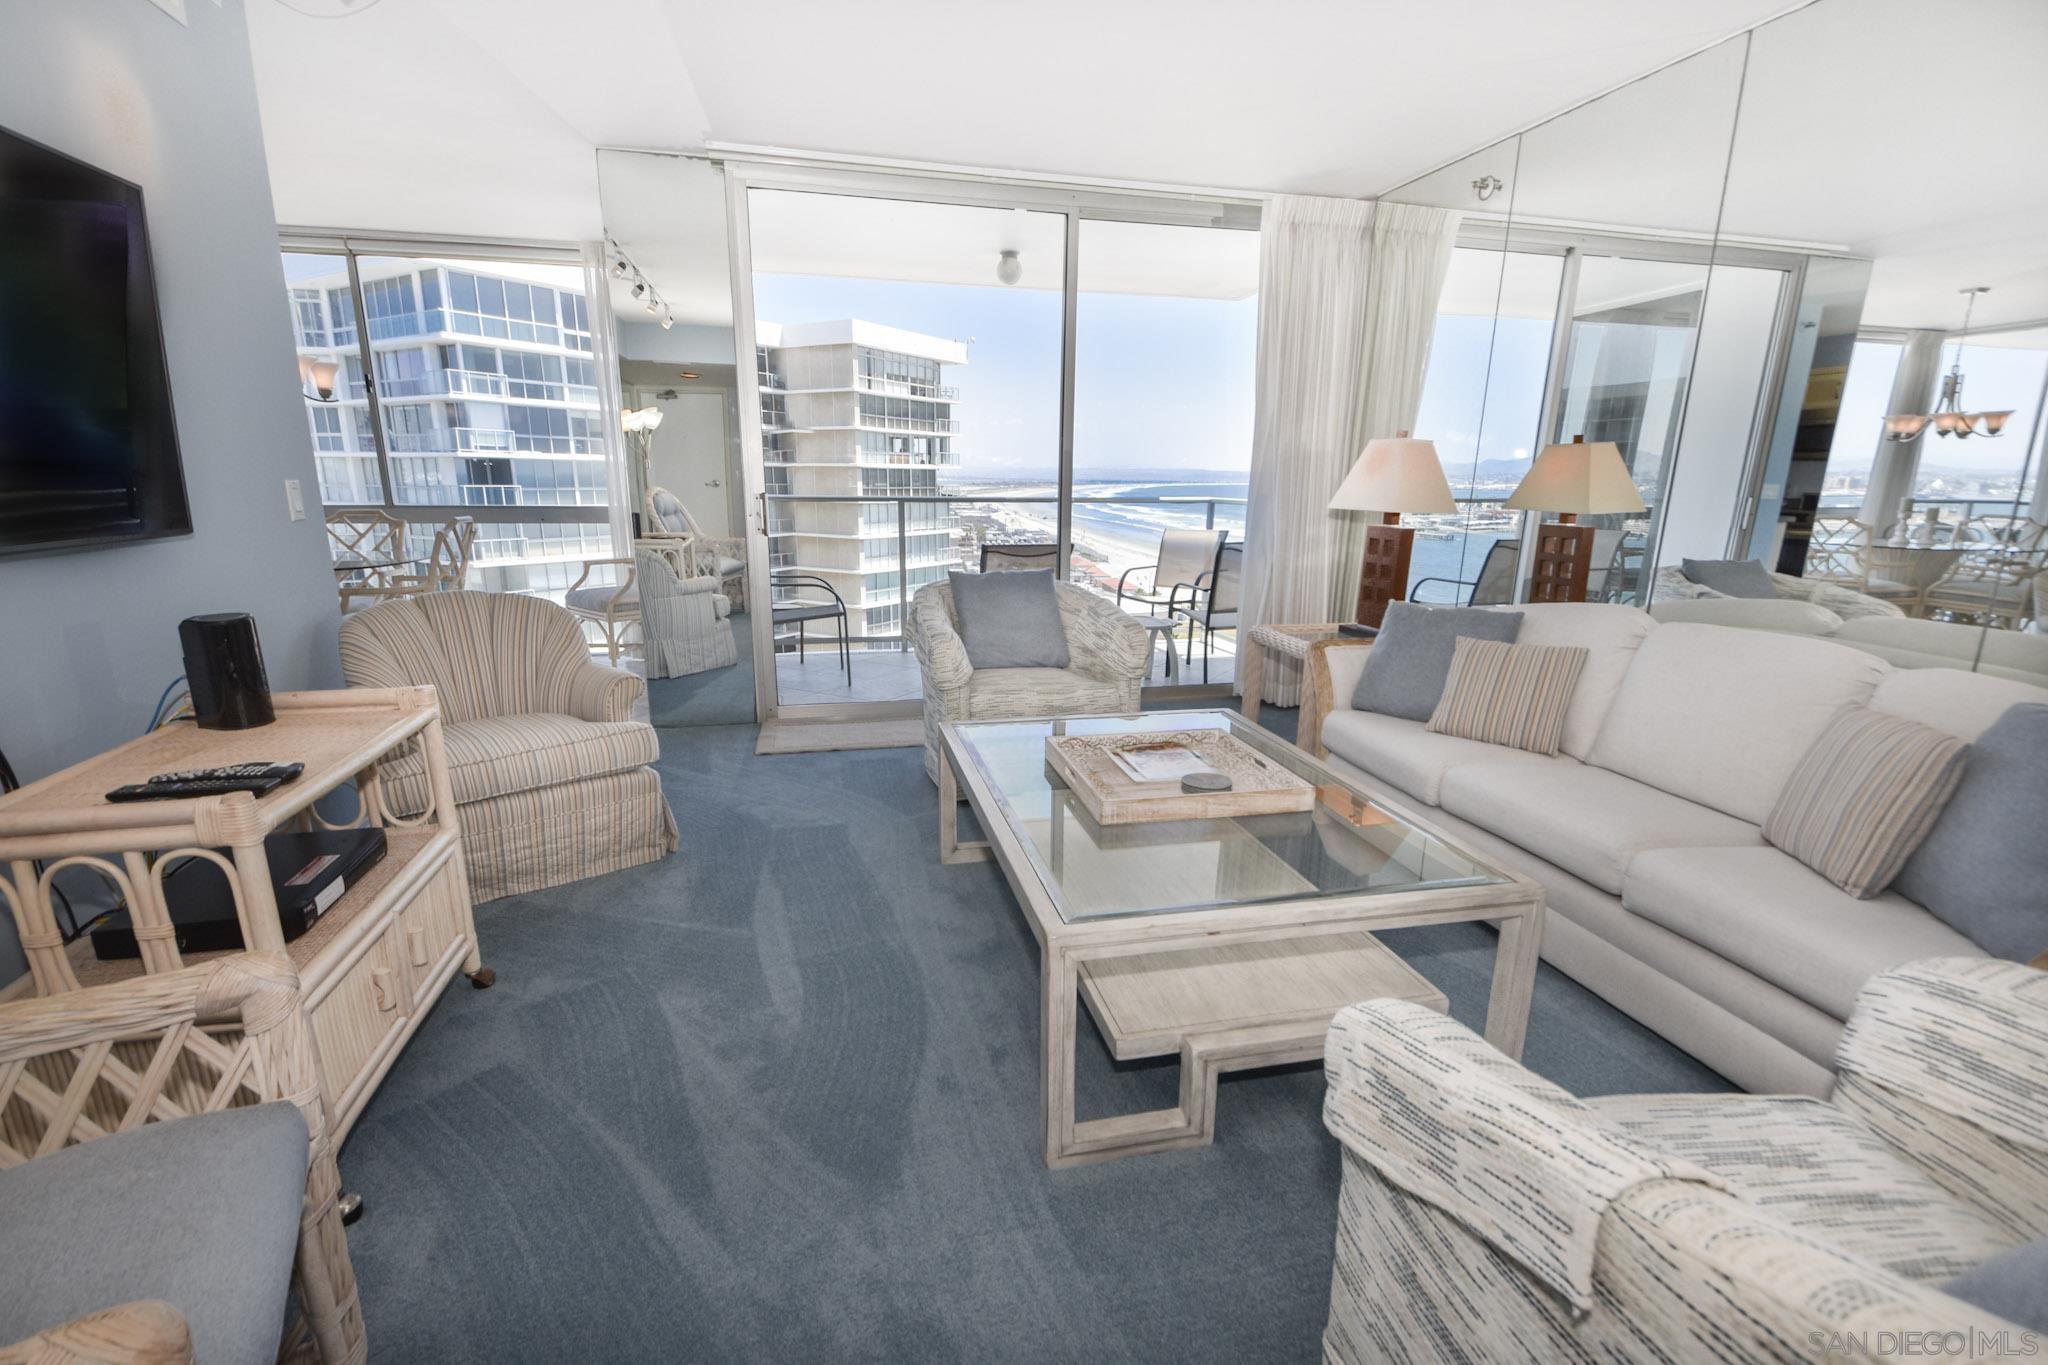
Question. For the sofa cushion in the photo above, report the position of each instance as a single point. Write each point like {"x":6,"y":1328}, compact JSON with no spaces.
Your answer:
{"x":599,"y":598}
{"x":1864,"y":797}
{"x":1721,"y":716}
{"x":1771,"y":915}
{"x":1734,"y":577}
{"x":200,"y":1212}
{"x":2008,"y":655}
{"x":500,"y":755}
{"x":1817,"y":1170}
{"x":1410,"y":658}
{"x":1984,"y":867}
{"x":1609,"y":633}
{"x":1015,"y":693}
{"x":1010,"y":620}
{"x":2014,"y":1285}
{"x":1513,"y":695}
{"x":1588,"y":821}
{"x":1964,"y":704}
{"x":1405,"y":754}
{"x":1782,"y":614}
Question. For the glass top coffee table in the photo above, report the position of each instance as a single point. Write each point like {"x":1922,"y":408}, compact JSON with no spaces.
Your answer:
{"x":1229,"y":941}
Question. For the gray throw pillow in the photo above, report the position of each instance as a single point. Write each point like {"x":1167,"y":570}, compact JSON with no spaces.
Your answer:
{"x":1010,"y":620}
{"x":1983,"y":868}
{"x":2012,"y":1284}
{"x":1404,"y":675}
{"x":1735,"y":577}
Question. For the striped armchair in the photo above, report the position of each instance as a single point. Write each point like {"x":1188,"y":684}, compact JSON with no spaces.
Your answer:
{"x":1110,"y":652}
{"x":551,"y":775}
{"x":1486,"y":1215}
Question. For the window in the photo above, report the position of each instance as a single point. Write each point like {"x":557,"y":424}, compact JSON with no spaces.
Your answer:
{"x":1976,"y":475}
{"x":507,"y":422}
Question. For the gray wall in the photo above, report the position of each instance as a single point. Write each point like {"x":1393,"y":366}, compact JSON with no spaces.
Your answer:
{"x":92,"y":637}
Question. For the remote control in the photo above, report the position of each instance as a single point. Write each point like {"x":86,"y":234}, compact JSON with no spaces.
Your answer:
{"x":154,"y":790}
{"x":283,"y":772}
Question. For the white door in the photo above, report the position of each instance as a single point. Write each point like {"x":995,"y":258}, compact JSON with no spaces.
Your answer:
{"x":689,"y":454}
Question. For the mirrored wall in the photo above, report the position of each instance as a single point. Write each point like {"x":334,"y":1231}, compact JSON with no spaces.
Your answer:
{"x":1727,"y":275}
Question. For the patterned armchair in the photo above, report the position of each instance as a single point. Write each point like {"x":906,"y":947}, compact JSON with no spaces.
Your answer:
{"x":1111,"y":654}
{"x":551,"y":774}
{"x":1486,"y":1215}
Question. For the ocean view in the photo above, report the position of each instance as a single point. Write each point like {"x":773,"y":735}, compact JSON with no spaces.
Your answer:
{"x":1112,"y":536}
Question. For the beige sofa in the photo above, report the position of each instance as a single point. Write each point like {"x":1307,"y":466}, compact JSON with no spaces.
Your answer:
{"x":1645,"y":829}
{"x":1901,"y":640}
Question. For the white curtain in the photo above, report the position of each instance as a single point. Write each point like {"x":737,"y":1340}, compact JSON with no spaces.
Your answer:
{"x":1411,"y":254}
{"x":1314,"y":255}
{"x":1896,"y":463}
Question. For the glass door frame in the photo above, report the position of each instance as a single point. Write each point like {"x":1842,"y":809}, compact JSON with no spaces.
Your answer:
{"x":1073,"y":203}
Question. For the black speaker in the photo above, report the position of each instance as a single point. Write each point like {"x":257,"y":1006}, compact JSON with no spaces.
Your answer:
{"x":224,"y":669}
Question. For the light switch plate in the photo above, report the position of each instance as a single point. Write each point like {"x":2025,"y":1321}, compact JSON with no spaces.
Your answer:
{"x":294,"y":500}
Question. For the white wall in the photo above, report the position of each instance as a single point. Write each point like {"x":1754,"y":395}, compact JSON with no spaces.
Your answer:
{"x":683,"y":344}
{"x":92,"y":637}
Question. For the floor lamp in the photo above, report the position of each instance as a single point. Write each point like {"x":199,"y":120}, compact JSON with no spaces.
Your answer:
{"x":1583,"y":478}
{"x":1393,"y":474}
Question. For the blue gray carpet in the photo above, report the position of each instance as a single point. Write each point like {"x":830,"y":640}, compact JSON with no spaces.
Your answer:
{"x":776,"y":1099}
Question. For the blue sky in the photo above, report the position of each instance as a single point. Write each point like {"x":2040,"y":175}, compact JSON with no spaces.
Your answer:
{"x":1470,"y":413}
{"x":1161,"y":383}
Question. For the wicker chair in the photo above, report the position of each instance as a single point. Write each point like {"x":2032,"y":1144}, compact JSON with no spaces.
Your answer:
{"x":1487,"y":1216}
{"x":447,"y":569}
{"x":1110,"y":652}
{"x":151,"y":1188}
{"x":671,"y":527}
{"x":552,"y":777}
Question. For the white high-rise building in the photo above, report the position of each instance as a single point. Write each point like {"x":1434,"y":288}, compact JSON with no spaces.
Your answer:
{"x":484,"y":375}
{"x":857,"y":409}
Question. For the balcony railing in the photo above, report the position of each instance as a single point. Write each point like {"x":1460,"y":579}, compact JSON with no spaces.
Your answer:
{"x":914,"y":516}
{"x":519,"y":495}
{"x":905,"y":388}
{"x":937,"y":425}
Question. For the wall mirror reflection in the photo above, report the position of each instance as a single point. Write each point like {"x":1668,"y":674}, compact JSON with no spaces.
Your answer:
{"x":676,"y":607}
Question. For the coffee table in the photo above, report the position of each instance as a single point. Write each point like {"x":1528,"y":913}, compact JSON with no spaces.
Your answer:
{"x":1230,"y":942}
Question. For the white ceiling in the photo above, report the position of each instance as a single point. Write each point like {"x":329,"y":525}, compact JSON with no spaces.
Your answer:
{"x":468,"y":97}
{"x":1905,"y":129}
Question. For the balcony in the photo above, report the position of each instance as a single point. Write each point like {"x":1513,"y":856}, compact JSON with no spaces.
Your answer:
{"x":906,"y":388}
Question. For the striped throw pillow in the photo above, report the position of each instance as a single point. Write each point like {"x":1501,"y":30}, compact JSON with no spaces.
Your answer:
{"x":1864,"y":796}
{"x":1509,"y":694}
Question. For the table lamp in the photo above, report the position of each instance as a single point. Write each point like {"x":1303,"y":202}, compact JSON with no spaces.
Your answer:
{"x":1394,"y":474}
{"x":1579,"y":479}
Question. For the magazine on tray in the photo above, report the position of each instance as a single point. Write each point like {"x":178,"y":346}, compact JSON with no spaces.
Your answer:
{"x":1166,"y":761}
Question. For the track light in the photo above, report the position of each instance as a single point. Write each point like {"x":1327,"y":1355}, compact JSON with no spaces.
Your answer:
{"x":668,"y":319}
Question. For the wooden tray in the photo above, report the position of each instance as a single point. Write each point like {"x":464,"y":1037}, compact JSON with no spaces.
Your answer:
{"x":1259,"y":786}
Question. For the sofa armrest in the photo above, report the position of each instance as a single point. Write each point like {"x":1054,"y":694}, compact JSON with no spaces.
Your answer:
{"x":1441,"y":1115}
{"x":940,"y":651}
{"x":1948,"y":1060}
{"x":1102,"y":639}
{"x":1785,"y":615}
{"x":598,"y":693}
{"x":146,"y":1332}
{"x":1329,"y":678}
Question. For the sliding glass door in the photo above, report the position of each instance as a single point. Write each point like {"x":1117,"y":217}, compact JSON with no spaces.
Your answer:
{"x":940,"y":389}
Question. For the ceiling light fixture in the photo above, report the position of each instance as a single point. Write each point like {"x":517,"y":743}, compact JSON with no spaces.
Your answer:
{"x":1948,"y":417}
{"x":668,"y":319}
{"x":1487,"y":186}
{"x":318,"y":376}
{"x":1009,"y":269}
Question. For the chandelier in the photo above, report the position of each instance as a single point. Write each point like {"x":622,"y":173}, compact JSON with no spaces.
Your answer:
{"x":1948,"y":417}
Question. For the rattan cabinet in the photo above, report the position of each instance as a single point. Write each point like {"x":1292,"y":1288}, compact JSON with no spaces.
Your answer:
{"x":369,"y":968}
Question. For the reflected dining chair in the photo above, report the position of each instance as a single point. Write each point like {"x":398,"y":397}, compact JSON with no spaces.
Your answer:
{"x":446,"y":569}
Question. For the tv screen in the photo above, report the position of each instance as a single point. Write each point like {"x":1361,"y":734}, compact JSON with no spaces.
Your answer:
{"x":88,"y":446}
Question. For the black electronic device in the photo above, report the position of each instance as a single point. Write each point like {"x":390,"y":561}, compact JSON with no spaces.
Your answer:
{"x":309,"y":872}
{"x":1355,"y":631}
{"x":88,"y":443}
{"x":224,"y":669}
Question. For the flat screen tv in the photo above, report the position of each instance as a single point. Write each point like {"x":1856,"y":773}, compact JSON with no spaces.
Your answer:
{"x":88,"y":446}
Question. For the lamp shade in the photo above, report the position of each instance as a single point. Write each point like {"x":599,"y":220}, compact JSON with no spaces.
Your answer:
{"x":1395,"y":474}
{"x":1583,"y":477}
